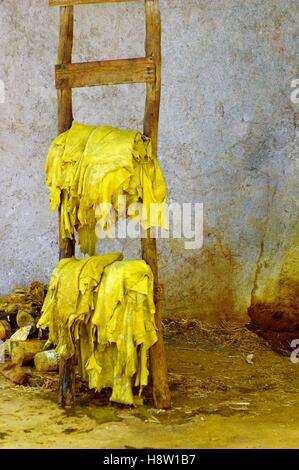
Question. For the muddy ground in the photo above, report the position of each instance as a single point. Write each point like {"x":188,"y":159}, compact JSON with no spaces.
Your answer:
{"x":229,"y":389}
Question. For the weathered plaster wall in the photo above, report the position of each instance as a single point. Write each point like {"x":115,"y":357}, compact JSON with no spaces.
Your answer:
{"x":227,"y":139}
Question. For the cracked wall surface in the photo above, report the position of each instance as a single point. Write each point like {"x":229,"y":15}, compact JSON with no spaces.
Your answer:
{"x":228,"y":139}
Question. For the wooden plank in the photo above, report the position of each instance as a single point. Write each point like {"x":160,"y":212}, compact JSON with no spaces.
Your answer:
{"x":158,"y":365}
{"x":65,"y":112}
{"x":67,"y":381}
{"x":153,"y":49}
{"x":107,"y":72}
{"x":65,"y":119}
{"x":66,"y":35}
{"x":159,"y":373}
{"x":64,"y":56}
{"x":65,"y":3}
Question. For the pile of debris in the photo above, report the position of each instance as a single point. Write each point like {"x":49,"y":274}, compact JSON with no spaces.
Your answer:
{"x":20,"y":340}
{"x":22,"y":308}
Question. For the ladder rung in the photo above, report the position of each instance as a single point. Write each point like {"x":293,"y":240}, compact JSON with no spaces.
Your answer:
{"x":67,"y":3}
{"x":107,"y":72}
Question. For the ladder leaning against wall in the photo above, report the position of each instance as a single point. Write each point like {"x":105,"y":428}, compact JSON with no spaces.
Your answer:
{"x":147,"y":70}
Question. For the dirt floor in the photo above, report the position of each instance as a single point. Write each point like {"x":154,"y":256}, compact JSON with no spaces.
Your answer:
{"x":229,"y":391}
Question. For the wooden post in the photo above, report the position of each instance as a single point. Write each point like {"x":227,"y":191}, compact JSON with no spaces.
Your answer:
{"x":65,"y":119}
{"x":64,"y":97}
{"x":158,"y":364}
{"x":67,"y":381}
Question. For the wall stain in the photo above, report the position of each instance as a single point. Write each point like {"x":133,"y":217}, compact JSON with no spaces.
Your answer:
{"x":278,"y":320}
{"x":205,"y":282}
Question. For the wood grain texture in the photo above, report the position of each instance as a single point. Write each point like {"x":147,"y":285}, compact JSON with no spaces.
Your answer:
{"x":158,"y":364}
{"x":66,"y":35}
{"x":64,"y":3}
{"x":64,"y":56}
{"x":65,"y":119}
{"x":153,"y":49}
{"x":67,"y":381}
{"x":107,"y":72}
{"x":64,"y":97}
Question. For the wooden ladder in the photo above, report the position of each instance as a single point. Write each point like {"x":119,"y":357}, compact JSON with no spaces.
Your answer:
{"x":113,"y":72}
